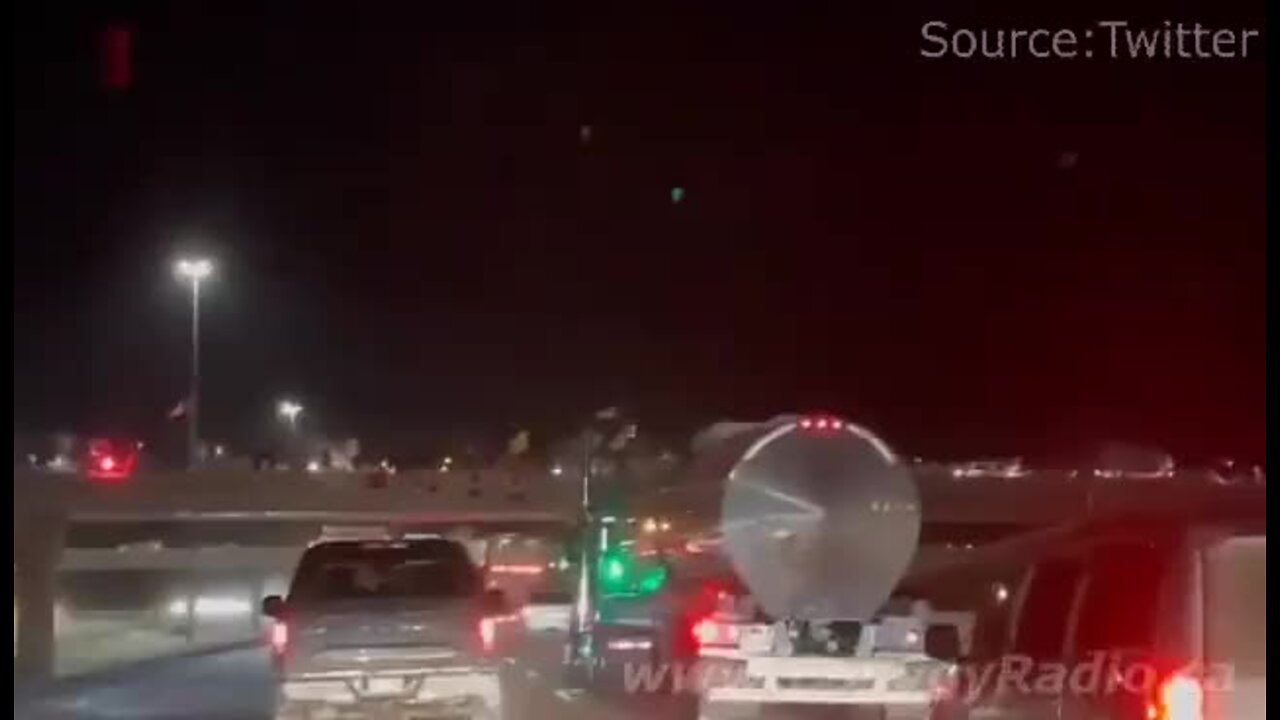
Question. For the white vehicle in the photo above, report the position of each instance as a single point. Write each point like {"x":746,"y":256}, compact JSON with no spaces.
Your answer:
{"x":547,"y":611}
{"x":388,"y":629}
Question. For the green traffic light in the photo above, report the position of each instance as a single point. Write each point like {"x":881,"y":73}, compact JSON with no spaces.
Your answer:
{"x":653,"y":581}
{"x":615,"y":569}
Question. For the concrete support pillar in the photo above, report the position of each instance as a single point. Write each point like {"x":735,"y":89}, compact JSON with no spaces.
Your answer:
{"x":37,"y":548}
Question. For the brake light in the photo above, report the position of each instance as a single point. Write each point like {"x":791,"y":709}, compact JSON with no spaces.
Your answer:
{"x":1179,"y":697}
{"x":708,"y":631}
{"x":108,"y":461}
{"x":704,"y":631}
{"x":517,"y":569}
{"x":488,"y":633}
{"x":488,"y":626}
{"x":279,"y":637}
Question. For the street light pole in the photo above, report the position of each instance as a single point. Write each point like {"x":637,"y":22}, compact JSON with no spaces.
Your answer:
{"x":194,"y":271}
{"x":193,"y":417}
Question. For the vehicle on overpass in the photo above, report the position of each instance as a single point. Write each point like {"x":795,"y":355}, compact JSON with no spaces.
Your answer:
{"x":1162,"y":618}
{"x":389,"y":628}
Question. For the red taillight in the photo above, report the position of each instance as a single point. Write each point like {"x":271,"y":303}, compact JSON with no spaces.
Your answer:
{"x":110,"y":461}
{"x":517,"y":569}
{"x":488,"y":626}
{"x":279,"y":637}
{"x":704,"y":631}
{"x":488,"y":633}
{"x":1179,"y":697}
{"x":708,"y":631}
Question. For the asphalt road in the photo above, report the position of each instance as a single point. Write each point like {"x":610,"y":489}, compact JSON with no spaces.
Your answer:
{"x":237,"y":685}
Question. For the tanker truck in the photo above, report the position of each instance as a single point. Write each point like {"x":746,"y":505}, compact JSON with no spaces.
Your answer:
{"x":775,"y":591}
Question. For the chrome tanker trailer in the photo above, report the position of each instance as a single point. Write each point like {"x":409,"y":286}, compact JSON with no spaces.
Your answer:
{"x":801,"y":527}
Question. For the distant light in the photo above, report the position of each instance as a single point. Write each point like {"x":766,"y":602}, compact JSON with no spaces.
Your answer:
{"x":219,"y":451}
{"x":584,"y":134}
{"x":195,"y":269}
{"x":222,"y":606}
{"x":107,"y":463}
{"x":447,"y":460}
{"x":288,"y":409}
{"x":665,"y":525}
{"x":556,"y":470}
{"x":650,"y":525}
{"x":313,"y":466}
{"x":677,"y":195}
{"x":211,"y":606}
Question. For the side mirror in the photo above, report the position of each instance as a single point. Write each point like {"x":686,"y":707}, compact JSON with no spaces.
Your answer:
{"x":942,"y":642}
{"x":273,"y":606}
{"x":494,"y":602}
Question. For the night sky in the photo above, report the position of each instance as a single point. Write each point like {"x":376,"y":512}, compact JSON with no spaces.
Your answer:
{"x":414,"y":239}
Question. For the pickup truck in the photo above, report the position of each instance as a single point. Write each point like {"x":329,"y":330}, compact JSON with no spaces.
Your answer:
{"x":389,"y":629}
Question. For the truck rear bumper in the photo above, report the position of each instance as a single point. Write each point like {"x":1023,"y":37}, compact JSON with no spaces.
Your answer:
{"x":390,"y":696}
{"x":740,"y":704}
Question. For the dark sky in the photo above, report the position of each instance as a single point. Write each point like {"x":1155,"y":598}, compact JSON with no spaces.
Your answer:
{"x":413,"y":239}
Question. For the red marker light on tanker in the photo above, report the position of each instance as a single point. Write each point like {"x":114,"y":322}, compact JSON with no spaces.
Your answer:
{"x":806,"y":423}
{"x":106,"y":463}
{"x":837,"y":425}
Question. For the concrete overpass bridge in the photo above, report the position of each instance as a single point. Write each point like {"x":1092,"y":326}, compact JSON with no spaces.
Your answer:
{"x":51,"y":510}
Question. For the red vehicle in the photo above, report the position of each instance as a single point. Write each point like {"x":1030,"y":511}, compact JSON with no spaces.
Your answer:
{"x":111,"y":459}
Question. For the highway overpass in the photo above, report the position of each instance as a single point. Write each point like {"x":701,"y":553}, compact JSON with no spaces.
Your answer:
{"x":51,"y":507}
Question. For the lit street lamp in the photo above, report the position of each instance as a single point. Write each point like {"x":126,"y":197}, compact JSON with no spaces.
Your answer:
{"x":195,"y":271}
{"x":289,"y":411}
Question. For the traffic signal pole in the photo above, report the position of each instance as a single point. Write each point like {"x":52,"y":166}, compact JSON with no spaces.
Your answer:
{"x":584,"y":609}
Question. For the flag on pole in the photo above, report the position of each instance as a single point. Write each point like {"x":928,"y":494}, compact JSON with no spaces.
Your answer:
{"x":519,"y":444}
